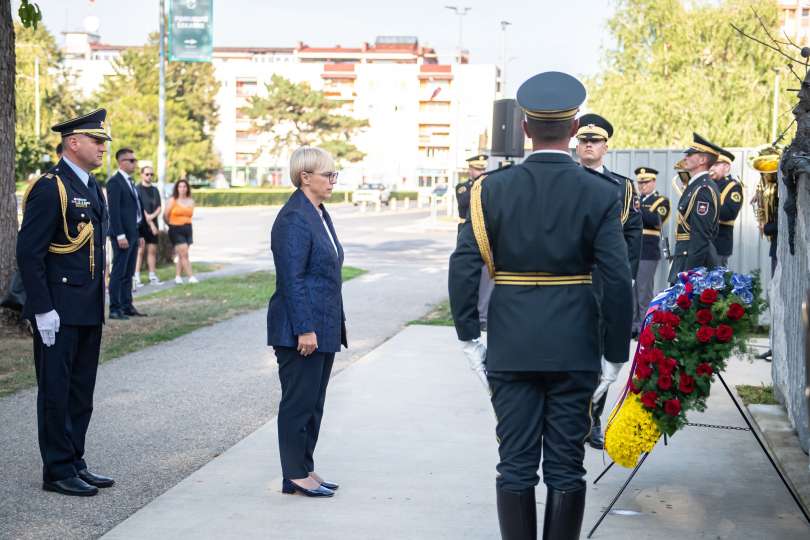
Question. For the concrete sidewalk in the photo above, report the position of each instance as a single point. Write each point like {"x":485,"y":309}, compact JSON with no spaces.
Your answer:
{"x":409,"y":433}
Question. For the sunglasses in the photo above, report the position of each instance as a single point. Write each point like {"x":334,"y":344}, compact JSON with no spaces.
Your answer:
{"x":131,"y":160}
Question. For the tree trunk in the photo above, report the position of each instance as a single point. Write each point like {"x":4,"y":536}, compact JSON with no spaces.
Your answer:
{"x":8,"y":197}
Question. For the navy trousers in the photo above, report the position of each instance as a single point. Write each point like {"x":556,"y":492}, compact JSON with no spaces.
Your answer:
{"x":303,"y":393}
{"x":123,"y":266}
{"x":66,"y":378}
{"x":542,"y":415}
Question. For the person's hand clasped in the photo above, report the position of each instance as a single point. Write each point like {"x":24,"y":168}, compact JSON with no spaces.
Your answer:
{"x":610,"y":372}
{"x":307,"y":343}
{"x":48,"y":326}
{"x":123,"y":243}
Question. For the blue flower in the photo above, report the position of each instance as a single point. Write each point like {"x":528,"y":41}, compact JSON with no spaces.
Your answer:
{"x":716,"y":279}
{"x":742,"y":281}
{"x":746,"y":296}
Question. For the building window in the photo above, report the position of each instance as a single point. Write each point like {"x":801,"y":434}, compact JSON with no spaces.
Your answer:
{"x":246,"y":87}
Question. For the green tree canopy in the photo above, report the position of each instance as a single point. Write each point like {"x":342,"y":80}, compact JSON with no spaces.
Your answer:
{"x":131,"y":100}
{"x":678,"y":67}
{"x":296,"y":115}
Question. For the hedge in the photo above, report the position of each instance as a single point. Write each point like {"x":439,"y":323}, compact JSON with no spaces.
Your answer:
{"x":266,"y":197}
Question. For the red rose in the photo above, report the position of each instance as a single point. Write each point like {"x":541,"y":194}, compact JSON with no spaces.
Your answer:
{"x":683,"y":302}
{"x":666,"y":332}
{"x":704,"y":369}
{"x":672,"y":319}
{"x":735,"y":312}
{"x":686,"y":384}
{"x":665,"y":381}
{"x":659,"y":316}
{"x":643,"y":371}
{"x":705,"y":334}
{"x":709,"y":296}
{"x":648,"y":399}
{"x":646,"y":338}
{"x":657,"y":354}
{"x":724,"y":333}
{"x":688,"y":288}
{"x":704,"y":316}
{"x":667,"y":365}
{"x":672,"y":407}
{"x":633,"y":388}
{"x":645,"y":357}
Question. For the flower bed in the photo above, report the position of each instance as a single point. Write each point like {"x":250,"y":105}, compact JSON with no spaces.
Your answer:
{"x":690,"y":331}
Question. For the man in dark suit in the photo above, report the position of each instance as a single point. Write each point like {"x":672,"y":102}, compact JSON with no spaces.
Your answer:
{"x":731,"y":201}
{"x":60,"y":253}
{"x":125,"y":217}
{"x":540,"y":227}
{"x":698,"y":211}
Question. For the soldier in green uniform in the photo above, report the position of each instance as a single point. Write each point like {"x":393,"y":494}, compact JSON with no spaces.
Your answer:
{"x":592,"y":144}
{"x":476,"y":167}
{"x":540,"y":227}
{"x":655,"y":211}
{"x":731,"y":201}
{"x":698,"y":211}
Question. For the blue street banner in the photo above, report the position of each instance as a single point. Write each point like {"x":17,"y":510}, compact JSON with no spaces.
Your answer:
{"x":191,"y":30}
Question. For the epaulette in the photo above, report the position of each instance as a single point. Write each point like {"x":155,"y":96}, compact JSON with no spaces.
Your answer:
{"x":602,"y":175}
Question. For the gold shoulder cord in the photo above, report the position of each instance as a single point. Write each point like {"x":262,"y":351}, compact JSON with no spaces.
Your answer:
{"x":85,"y":230}
{"x":628,"y":200}
{"x":480,"y":227}
{"x":655,"y":206}
{"x":726,"y":191}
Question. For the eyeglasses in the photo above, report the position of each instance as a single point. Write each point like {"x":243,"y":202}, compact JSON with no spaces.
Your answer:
{"x":131,"y":160}
{"x":331,"y":176}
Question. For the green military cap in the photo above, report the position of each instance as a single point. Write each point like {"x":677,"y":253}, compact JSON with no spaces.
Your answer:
{"x":551,"y":96}
{"x":725,"y":156}
{"x":90,"y":124}
{"x":702,"y":145}
{"x":593,"y":127}
{"x":645,"y":173}
{"x":478,"y":162}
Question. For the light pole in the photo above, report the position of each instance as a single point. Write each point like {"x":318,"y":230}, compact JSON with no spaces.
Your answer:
{"x":775,"y":112}
{"x":161,"y":157}
{"x":504,"y":24}
{"x":460,"y":12}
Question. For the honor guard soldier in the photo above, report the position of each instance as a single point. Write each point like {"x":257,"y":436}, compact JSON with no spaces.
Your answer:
{"x":540,"y":227}
{"x":698,"y":211}
{"x":655,"y":211}
{"x":731,"y":200}
{"x":592,"y":144}
{"x":60,"y":254}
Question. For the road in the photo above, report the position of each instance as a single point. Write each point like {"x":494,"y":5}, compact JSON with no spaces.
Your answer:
{"x":162,"y":413}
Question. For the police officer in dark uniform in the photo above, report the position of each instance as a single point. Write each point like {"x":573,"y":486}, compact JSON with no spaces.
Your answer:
{"x":698,"y":211}
{"x":592,"y":145}
{"x":540,"y":227}
{"x":475,"y":168}
{"x":731,"y":201}
{"x":655,"y":210}
{"x":60,"y":254}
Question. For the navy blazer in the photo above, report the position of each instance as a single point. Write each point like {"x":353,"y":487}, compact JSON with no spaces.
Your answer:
{"x":123,"y":203}
{"x":308,"y":294}
{"x":63,"y":282}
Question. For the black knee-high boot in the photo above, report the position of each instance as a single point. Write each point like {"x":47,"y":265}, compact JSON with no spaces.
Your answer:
{"x":517,"y":514}
{"x":564,"y":510}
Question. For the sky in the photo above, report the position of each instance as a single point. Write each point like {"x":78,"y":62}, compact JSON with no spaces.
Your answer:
{"x":543,"y":35}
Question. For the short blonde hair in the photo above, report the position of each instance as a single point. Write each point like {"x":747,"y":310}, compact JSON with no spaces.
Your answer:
{"x":309,"y":159}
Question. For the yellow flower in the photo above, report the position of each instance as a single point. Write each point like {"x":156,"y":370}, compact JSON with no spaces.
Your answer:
{"x":630,"y":432}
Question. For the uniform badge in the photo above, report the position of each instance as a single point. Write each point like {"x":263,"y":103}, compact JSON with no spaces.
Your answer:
{"x":636,"y":203}
{"x":79,"y":202}
{"x":461,"y":190}
{"x":662,"y":210}
{"x":736,"y":197}
{"x":702,"y":208}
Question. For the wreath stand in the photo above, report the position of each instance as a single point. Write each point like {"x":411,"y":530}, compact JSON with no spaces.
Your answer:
{"x":750,"y":429}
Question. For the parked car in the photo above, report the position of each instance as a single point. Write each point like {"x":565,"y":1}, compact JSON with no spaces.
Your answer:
{"x":371,"y":194}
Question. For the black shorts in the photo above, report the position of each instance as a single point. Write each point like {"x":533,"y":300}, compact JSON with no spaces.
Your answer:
{"x":180,"y":234}
{"x":146,"y":233}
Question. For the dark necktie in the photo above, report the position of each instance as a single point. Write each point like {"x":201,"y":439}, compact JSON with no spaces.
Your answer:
{"x":137,"y":199}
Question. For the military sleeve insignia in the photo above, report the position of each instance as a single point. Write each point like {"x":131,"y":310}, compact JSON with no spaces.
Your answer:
{"x":461,"y":190}
{"x":736,"y":197}
{"x":636,"y":203}
{"x":702,"y":208}
{"x":662,"y":210}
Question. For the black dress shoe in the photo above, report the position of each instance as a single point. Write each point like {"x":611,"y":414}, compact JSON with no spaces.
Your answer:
{"x":289,"y":487}
{"x":118,"y":315}
{"x":765,"y":356}
{"x":74,"y":486}
{"x":96,"y":479}
{"x":595,"y":438}
{"x":330,"y":485}
{"x":132,"y":312}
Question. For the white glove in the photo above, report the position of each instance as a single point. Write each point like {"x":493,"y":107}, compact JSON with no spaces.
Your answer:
{"x":610,"y":371}
{"x":476,"y":354}
{"x":48,"y":326}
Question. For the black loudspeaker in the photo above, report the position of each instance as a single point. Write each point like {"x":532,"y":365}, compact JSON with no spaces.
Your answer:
{"x":507,"y":129}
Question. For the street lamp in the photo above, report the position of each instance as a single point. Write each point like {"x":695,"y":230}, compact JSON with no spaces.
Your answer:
{"x":460,"y":12}
{"x":504,"y":24}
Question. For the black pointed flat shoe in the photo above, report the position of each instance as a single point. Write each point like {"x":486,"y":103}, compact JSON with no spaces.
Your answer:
{"x":330,"y":485}
{"x":290,"y":487}
{"x":96,"y":479}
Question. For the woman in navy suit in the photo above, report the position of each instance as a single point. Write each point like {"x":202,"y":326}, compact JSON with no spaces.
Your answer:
{"x":305,"y":320}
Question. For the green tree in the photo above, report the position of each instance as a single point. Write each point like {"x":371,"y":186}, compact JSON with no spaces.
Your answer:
{"x":131,"y":100}
{"x":294,"y":114}
{"x":679,"y":67}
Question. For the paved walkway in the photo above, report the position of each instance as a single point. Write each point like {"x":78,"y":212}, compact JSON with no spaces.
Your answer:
{"x":408,"y":432}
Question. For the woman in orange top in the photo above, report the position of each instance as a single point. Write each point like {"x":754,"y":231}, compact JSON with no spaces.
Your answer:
{"x":178,"y":214}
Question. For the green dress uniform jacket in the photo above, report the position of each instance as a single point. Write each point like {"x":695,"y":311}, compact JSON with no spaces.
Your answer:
{"x":548,"y":221}
{"x":655,"y":211}
{"x":731,"y":201}
{"x":697,"y":226}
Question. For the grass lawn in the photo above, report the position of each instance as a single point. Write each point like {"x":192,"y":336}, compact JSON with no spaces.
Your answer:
{"x":166,"y":272}
{"x":438,"y":316}
{"x":757,"y":395}
{"x":172,"y":313}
